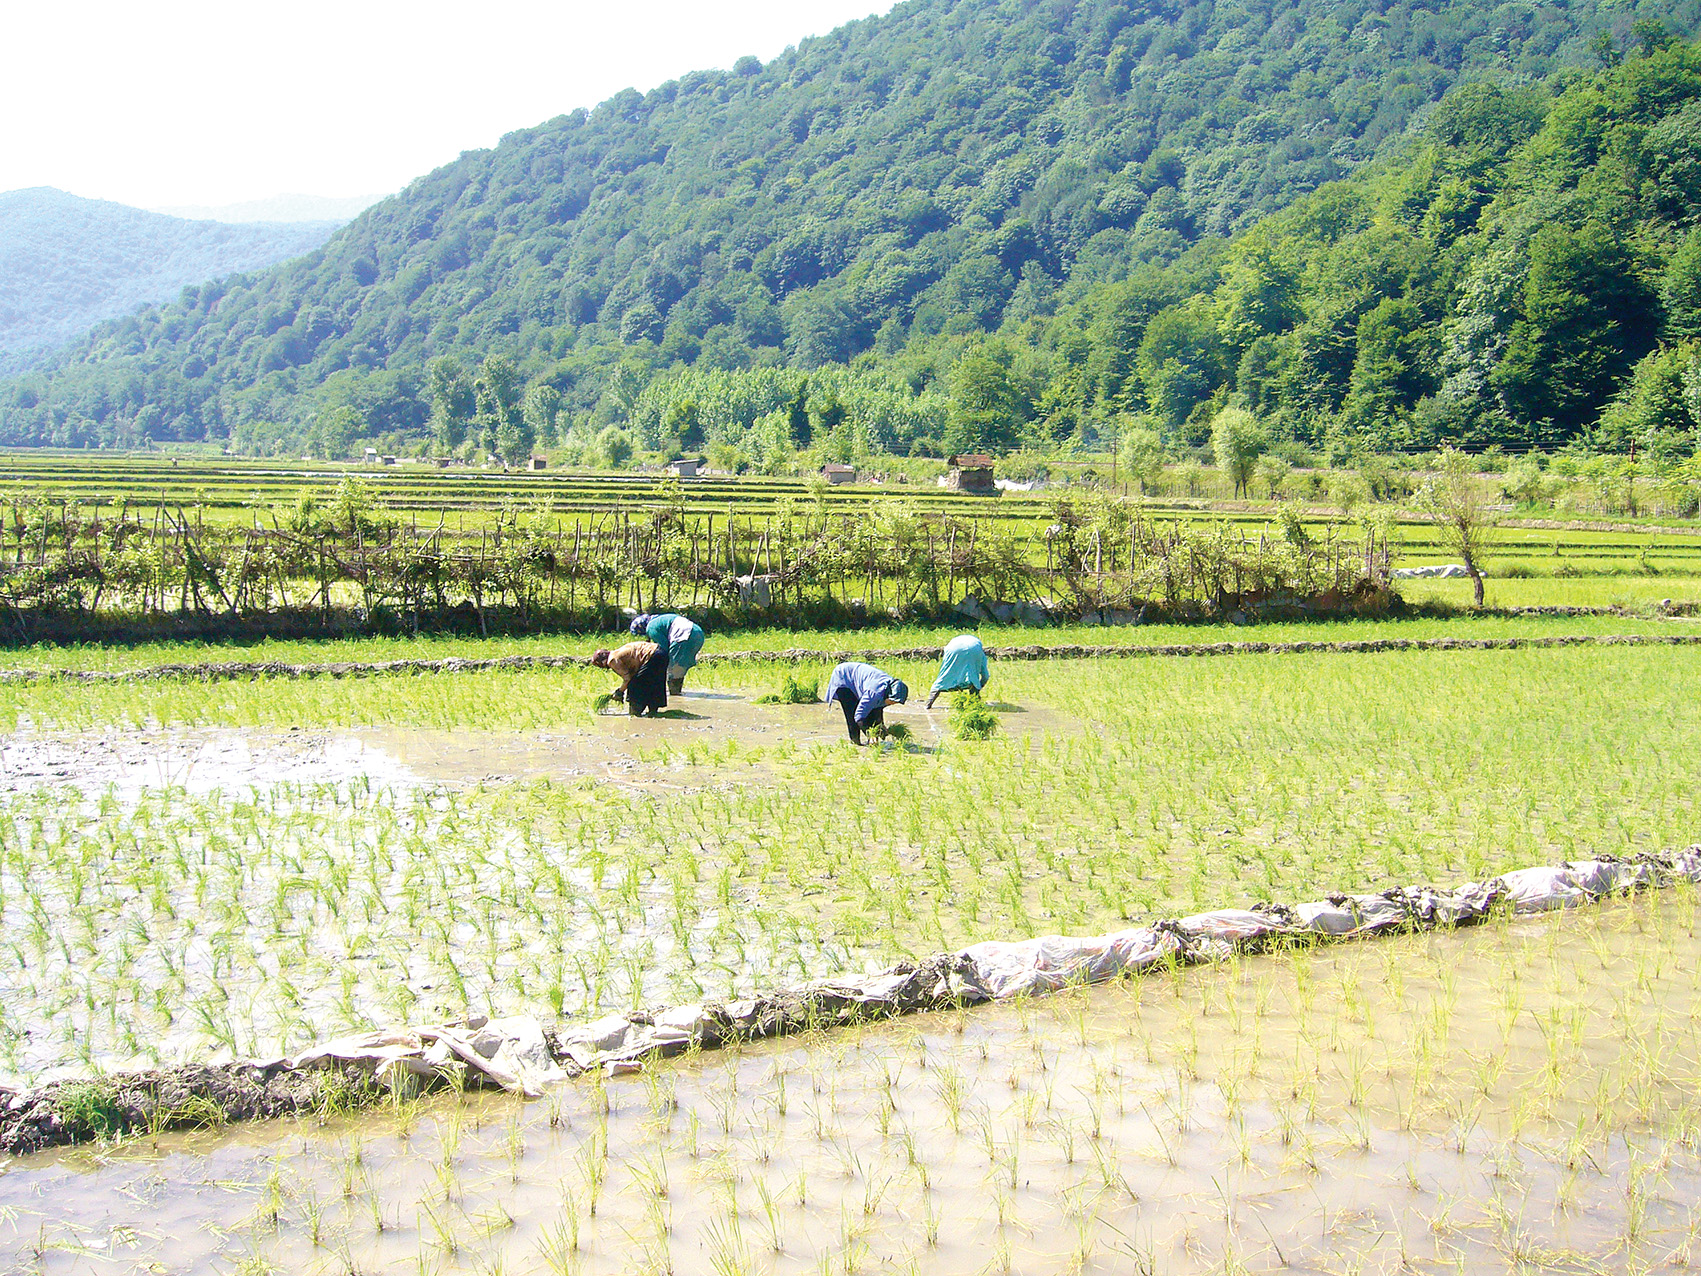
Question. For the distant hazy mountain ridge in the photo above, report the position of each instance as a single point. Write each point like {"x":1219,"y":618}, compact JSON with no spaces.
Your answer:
{"x":67,"y":263}
{"x":279,"y":208}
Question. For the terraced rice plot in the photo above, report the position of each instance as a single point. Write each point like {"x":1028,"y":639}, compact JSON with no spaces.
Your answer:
{"x":1575,"y":561}
{"x":1519,"y":1096}
{"x":574,"y":865}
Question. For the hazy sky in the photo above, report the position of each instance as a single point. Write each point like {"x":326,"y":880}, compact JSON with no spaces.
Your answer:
{"x":162,"y":102}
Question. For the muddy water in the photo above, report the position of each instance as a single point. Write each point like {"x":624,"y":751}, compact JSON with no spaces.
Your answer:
{"x":704,"y":737}
{"x":1523,"y":1093}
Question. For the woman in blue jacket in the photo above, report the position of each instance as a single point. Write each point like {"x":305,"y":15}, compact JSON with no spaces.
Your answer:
{"x":863,"y":692}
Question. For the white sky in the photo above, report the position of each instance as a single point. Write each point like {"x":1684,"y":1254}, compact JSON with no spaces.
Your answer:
{"x":166,"y":102}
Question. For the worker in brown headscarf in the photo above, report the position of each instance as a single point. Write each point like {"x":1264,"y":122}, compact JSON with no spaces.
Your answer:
{"x":642,"y":667}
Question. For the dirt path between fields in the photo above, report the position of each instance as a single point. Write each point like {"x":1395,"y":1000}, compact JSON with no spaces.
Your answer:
{"x":238,"y":671}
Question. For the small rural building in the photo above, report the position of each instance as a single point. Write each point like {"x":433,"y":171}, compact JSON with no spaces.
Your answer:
{"x":837,"y":474}
{"x":971,"y":472}
{"x":444,"y":462}
{"x":685,"y":467}
{"x":538,"y":463}
{"x":371,"y":457}
{"x":389,"y":460}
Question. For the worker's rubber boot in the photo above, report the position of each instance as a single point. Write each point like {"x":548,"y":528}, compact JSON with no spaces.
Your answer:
{"x":676,"y":686}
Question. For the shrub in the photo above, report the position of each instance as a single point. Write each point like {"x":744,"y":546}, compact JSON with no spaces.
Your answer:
{"x":1524,"y":482}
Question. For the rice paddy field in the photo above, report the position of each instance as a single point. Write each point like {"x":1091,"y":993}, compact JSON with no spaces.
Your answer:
{"x":190,"y":868}
{"x":195,"y":870}
{"x":1515,"y":1097}
{"x":1628,"y":561}
{"x":44,"y":657}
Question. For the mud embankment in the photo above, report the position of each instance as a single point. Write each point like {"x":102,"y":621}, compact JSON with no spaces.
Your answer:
{"x":244,"y":671}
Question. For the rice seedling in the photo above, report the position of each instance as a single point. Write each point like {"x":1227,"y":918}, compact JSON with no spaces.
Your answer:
{"x":970,"y":718}
{"x":257,"y":920}
{"x":793,"y":690}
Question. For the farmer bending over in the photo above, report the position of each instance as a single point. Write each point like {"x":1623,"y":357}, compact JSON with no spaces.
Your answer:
{"x":642,"y":667}
{"x":962,"y":669}
{"x":683,"y":639}
{"x":862,"y":692}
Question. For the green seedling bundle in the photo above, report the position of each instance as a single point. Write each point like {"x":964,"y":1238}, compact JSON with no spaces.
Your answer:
{"x":793,"y":690}
{"x":971,"y":718}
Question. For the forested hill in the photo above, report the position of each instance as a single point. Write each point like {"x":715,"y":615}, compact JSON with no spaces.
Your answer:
{"x":67,"y":263}
{"x":951,"y":167}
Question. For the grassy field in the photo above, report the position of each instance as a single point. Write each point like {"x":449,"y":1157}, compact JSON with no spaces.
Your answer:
{"x":166,"y":922}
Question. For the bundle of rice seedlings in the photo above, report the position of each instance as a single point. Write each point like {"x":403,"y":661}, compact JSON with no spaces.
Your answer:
{"x":970,"y":718}
{"x":793,"y":691}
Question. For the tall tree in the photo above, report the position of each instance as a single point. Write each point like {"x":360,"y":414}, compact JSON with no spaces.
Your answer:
{"x":985,"y":413}
{"x":1587,"y":318}
{"x":1237,"y":441}
{"x":452,"y":403}
{"x":500,"y":416}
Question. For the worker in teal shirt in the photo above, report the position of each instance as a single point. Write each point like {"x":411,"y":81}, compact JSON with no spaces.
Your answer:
{"x":681,"y":637}
{"x":963,"y":668}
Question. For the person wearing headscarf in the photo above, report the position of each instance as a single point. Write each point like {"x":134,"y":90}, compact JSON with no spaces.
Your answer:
{"x":863,"y":692}
{"x":681,"y":636}
{"x":642,"y":667}
{"x":962,"y":668}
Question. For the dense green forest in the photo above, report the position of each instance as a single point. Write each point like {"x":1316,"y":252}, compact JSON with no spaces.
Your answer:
{"x":973,"y":223}
{"x":68,"y":263}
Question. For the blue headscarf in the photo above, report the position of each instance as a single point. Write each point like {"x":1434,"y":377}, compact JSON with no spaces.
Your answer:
{"x":639,"y":625}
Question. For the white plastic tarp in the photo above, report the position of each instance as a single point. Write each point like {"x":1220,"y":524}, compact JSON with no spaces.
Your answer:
{"x":511,"y":1052}
{"x":1000,"y":970}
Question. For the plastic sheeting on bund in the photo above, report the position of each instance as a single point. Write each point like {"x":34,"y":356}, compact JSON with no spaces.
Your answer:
{"x":520,"y":1056}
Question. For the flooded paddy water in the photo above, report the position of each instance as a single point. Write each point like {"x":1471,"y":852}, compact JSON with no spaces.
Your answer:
{"x":181,"y":893}
{"x":665,"y":754}
{"x":1514,"y":1096}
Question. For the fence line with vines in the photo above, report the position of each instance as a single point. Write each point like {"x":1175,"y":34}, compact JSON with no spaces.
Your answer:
{"x":354,"y":562}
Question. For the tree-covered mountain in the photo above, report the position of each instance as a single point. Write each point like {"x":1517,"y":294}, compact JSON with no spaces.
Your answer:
{"x":68,"y":263}
{"x":1526,"y":271}
{"x":888,"y":194}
